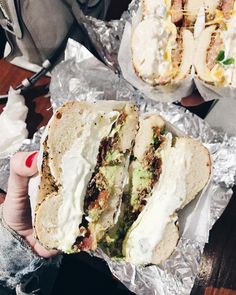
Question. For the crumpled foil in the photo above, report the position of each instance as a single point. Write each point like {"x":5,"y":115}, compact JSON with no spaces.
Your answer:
{"x":82,"y":77}
{"x":106,"y":36}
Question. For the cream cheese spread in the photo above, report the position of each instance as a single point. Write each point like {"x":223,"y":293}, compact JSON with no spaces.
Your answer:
{"x":167,"y":197}
{"x":77,"y":166}
{"x":152,"y":42}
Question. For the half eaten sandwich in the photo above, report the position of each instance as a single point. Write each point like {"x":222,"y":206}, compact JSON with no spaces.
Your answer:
{"x":166,"y":173}
{"x":82,"y":172}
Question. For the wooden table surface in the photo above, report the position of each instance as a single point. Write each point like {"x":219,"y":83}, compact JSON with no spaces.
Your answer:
{"x":217,"y":274}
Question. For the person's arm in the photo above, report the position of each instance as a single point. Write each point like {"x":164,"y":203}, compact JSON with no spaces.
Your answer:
{"x":20,"y":254}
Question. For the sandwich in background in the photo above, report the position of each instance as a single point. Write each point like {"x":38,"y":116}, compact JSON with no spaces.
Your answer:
{"x":162,"y":50}
{"x":170,"y":46}
{"x":216,"y":48}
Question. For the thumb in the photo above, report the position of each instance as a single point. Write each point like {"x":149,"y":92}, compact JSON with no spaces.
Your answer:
{"x":16,"y":209}
{"x":22,"y":167}
{"x":17,"y":205}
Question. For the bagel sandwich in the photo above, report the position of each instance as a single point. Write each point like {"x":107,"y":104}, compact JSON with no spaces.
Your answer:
{"x":113,"y":179}
{"x":83,"y":167}
{"x":166,"y":173}
{"x":162,"y":50}
{"x":216,"y":53}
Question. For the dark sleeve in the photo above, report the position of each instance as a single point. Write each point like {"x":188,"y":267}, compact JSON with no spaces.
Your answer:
{"x":2,"y":42}
{"x":95,"y":8}
{"x":18,"y":263}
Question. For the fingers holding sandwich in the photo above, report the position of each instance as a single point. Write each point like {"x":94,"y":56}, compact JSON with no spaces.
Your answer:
{"x":16,"y":209}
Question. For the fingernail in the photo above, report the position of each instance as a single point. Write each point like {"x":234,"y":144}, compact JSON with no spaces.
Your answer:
{"x":30,"y":159}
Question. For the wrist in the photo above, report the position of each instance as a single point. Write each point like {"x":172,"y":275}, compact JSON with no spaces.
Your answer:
{"x":24,"y":234}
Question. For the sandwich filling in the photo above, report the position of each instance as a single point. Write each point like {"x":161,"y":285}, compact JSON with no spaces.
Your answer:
{"x":104,"y":188}
{"x":218,"y":10}
{"x":144,"y":174}
{"x":155,"y":9}
{"x":161,"y":172}
{"x":76,"y":170}
{"x":215,"y":11}
{"x":177,"y":13}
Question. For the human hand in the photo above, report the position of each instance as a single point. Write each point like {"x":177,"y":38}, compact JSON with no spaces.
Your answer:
{"x":16,"y":209}
{"x":192,"y":100}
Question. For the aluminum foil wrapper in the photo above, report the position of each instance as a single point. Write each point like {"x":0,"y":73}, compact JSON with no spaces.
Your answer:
{"x":82,"y":77}
{"x":106,"y":36}
{"x":86,"y":79}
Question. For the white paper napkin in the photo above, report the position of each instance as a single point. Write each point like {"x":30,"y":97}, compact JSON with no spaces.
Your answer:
{"x":12,"y":124}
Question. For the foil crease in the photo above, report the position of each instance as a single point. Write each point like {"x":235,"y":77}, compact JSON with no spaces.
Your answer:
{"x":82,"y":77}
{"x":86,"y":80}
{"x":175,"y":276}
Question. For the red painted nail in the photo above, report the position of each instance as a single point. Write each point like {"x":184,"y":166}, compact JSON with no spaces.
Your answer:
{"x":30,"y":159}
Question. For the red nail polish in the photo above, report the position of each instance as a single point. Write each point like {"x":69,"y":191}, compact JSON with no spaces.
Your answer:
{"x":30,"y":159}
